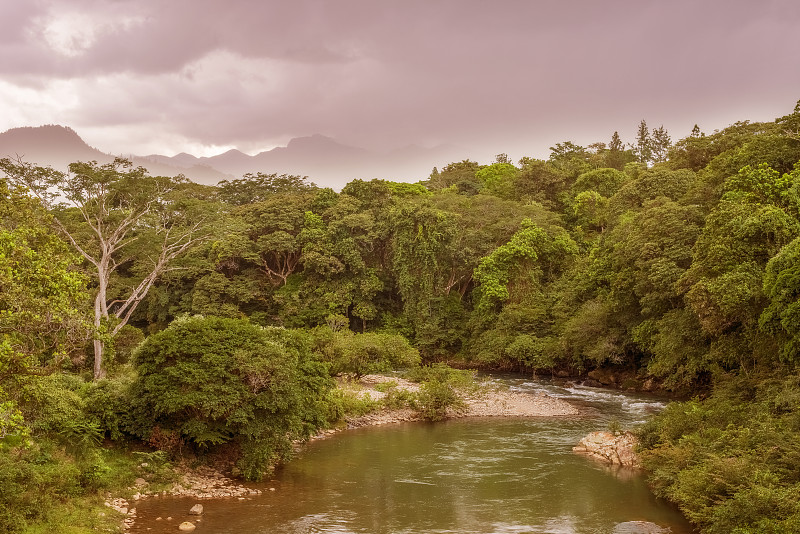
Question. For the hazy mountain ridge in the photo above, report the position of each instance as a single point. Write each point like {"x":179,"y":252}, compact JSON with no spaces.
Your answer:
{"x":323,"y":159}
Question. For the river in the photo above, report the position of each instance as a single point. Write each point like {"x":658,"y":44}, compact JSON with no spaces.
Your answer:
{"x":487,"y":475}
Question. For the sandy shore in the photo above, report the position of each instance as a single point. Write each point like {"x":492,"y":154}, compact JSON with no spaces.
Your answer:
{"x":488,"y":402}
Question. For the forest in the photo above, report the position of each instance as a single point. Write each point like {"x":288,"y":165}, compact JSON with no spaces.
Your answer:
{"x":142,"y":315}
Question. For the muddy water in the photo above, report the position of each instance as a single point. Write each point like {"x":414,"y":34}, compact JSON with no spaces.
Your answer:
{"x":462,"y":476}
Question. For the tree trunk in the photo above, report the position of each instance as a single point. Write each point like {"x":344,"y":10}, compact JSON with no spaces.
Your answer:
{"x":98,"y":359}
{"x":99,"y":345}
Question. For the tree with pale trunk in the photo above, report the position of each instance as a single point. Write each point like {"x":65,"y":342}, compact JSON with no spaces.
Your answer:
{"x":130,"y":227}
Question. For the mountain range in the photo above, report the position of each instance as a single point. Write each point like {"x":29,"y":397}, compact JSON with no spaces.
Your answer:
{"x":324,"y":160}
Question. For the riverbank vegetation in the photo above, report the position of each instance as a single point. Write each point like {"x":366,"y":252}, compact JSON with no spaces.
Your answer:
{"x":142,"y":313}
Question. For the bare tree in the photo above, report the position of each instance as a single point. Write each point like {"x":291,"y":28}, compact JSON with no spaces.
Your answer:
{"x":114,"y":215}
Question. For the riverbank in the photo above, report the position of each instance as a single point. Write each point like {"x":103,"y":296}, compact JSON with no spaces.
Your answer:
{"x":358,"y":479}
{"x":206,"y":482}
{"x":486,"y":401}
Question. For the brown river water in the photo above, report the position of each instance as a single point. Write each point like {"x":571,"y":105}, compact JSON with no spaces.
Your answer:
{"x":486,"y":475}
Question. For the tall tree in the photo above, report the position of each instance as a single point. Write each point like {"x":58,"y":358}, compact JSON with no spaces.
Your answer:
{"x":615,"y":158}
{"x":125,"y":224}
{"x":659,"y":144}
{"x":644,"y":151}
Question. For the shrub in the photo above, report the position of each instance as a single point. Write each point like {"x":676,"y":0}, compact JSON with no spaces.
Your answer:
{"x":443,"y":389}
{"x":396,"y":398}
{"x":31,"y":480}
{"x":215,"y":381}
{"x":345,"y":402}
{"x":362,"y":354}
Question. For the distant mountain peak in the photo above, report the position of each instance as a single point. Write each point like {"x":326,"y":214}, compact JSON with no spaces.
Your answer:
{"x":314,"y":141}
{"x":232,"y":152}
{"x":324,"y":159}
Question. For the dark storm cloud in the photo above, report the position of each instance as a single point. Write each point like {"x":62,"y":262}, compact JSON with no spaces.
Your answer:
{"x":389,"y":73}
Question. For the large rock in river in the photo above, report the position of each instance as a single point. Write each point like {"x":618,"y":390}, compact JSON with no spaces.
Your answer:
{"x":610,"y":448}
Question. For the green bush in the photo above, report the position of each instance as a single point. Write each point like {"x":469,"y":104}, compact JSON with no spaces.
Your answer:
{"x":396,"y":398}
{"x":32,"y":479}
{"x":362,"y":354}
{"x":214,"y":381}
{"x":107,"y":403}
{"x":343,"y":403}
{"x":442,"y":389}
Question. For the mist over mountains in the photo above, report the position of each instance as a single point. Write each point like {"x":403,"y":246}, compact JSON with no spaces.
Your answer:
{"x":325,"y":161}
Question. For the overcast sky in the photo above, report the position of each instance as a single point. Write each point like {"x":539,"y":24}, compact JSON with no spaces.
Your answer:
{"x":202,"y":76}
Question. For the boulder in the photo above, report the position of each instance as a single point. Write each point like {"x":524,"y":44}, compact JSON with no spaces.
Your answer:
{"x":610,"y":448}
{"x":187,"y":526}
{"x":604,"y":376}
{"x":197,"y":509}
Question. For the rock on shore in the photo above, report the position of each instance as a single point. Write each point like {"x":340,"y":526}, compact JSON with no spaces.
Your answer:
{"x":610,"y":448}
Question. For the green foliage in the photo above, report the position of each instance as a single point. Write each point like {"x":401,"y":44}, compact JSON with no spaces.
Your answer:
{"x":519,"y":261}
{"x":214,"y":381}
{"x":345,"y":402}
{"x":498,"y":178}
{"x":442,"y":390}
{"x":258,"y":187}
{"x":396,"y":398}
{"x":677,"y":261}
{"x":460,"y":175}
{"x":731,"y":462}
{"x":41,"y":295}
{"x":362,"y":354}
{"x":606,"y":182}
{"x":781,"y":317}
{"x":62,"y":467}
{"x":534,"y":352}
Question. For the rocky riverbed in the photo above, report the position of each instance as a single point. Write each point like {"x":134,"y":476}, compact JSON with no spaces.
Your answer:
{"x":201,"y":483}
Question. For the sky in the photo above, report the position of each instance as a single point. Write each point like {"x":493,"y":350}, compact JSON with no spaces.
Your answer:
{"x":514,"y":76}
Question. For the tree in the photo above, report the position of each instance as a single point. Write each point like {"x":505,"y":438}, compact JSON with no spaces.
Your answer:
{"x":498,"y":178}
{"x":459,"y":174}
{"x":616,"y":158}
{"x":41,"y":294}
{"x":207,"y":381}
{"x":260,"y":186}
{"x":529,"y":256}
{"x":122,"y":222}
{"x":644,"y":152}
{"x":273,"y":228}
{"x":782,"y":285}
{"x":660,"y":143}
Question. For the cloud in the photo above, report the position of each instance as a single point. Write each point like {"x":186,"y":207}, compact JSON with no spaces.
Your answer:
{"x":382,"y":74}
